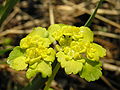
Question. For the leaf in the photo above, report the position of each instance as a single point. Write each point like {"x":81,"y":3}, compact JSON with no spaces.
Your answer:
{"x":5,"y":50}
{"x":1,"y":9}
{"x":16,"y":59}
{"x":73,"y":66}
{"x":44,"y":68}
{"x":6,"y":9}
{"x":70,"y":30}
{"x":55,"y":27}
{"x":91,"y":70}
{"x":30,"y":73}
{"x":70,"y":66}
{"x":40,"y":32}
{"x":86,"y":33}
{"x":17,"y":52}
{"x":19,"y":63}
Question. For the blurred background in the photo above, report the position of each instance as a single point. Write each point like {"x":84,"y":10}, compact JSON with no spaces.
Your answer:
{"x":28,"y":14}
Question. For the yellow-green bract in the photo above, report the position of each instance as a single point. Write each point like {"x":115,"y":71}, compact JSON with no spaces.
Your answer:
{"x":33,"y":54}
{"x":75,"y":51}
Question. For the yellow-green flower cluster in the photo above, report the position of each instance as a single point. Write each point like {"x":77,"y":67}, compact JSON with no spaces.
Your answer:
{"x":75,"y":48}
{"x":36,"y":54}
{"x":75,"y":51}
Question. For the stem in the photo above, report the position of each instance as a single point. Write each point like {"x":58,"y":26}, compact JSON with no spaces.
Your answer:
{"x":37,"y":82}
{"x":52,"y":76}
{"x":89,"y":21}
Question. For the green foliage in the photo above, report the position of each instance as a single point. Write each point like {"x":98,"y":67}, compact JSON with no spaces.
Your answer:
{"x":75,"y":51}
{"x":34,"y":52}
{"x":75,"y":44}
{"x":5,"y":9}
{"x":19,"y":63}
{"x":91,"y":70}
{"x":17,"y":60}
{"x":2,"y":52}
{"x":17,"y":52}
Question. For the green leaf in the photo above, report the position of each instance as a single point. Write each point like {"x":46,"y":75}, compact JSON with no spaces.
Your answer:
{"x":40,"y":32}
{"x":6,"y":9}
{"x":5,"y":50}
{"x":70,"y":66}
{"x":73,"y":67}
{"x":17,"y":52}
{"x":16,"y":59}
{"x":30,"y":73}
{"x":91,"y":70}
{"x":86,"y":33}
{"x":1,"y":8}
{"x":19,"y":63}
{"x":70,"y":30}
{"x":44,"y":68}
{"x":55,"y":27}
{"x":33,"y":66}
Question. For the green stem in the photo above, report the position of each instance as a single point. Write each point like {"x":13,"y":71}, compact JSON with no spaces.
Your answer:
{"x":89,"y":21}
{"x":52,"y":76}
{"x":37,"y":82}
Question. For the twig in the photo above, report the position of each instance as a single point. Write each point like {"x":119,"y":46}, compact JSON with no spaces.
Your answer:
{"x":19,"y":28}
{"x":28,"y":24}
{"x":111,"y":2}
{"x":14,"y":31}
{"x":111,"y":35}
{"x":111,"y":67}
{"x":107,"y":21}
{"x":17,"y":8}
{"x":78,"y":78}
{"x":52,"y":20}
{"x":111,"y":61}
{"x":9,"y":18}
{"x":96,"y":16}
{"x":107,"y":11}
{"x":108,"y":83}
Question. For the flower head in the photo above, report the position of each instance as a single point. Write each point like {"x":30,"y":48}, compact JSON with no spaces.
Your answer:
{"x":35,"y":53}
{"x":74,"y":49}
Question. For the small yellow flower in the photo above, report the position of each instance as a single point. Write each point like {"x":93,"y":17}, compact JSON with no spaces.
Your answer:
{"x":95,"y":51}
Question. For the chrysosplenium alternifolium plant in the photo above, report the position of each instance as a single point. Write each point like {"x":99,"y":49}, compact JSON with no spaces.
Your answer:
{"x":74,"y":50}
